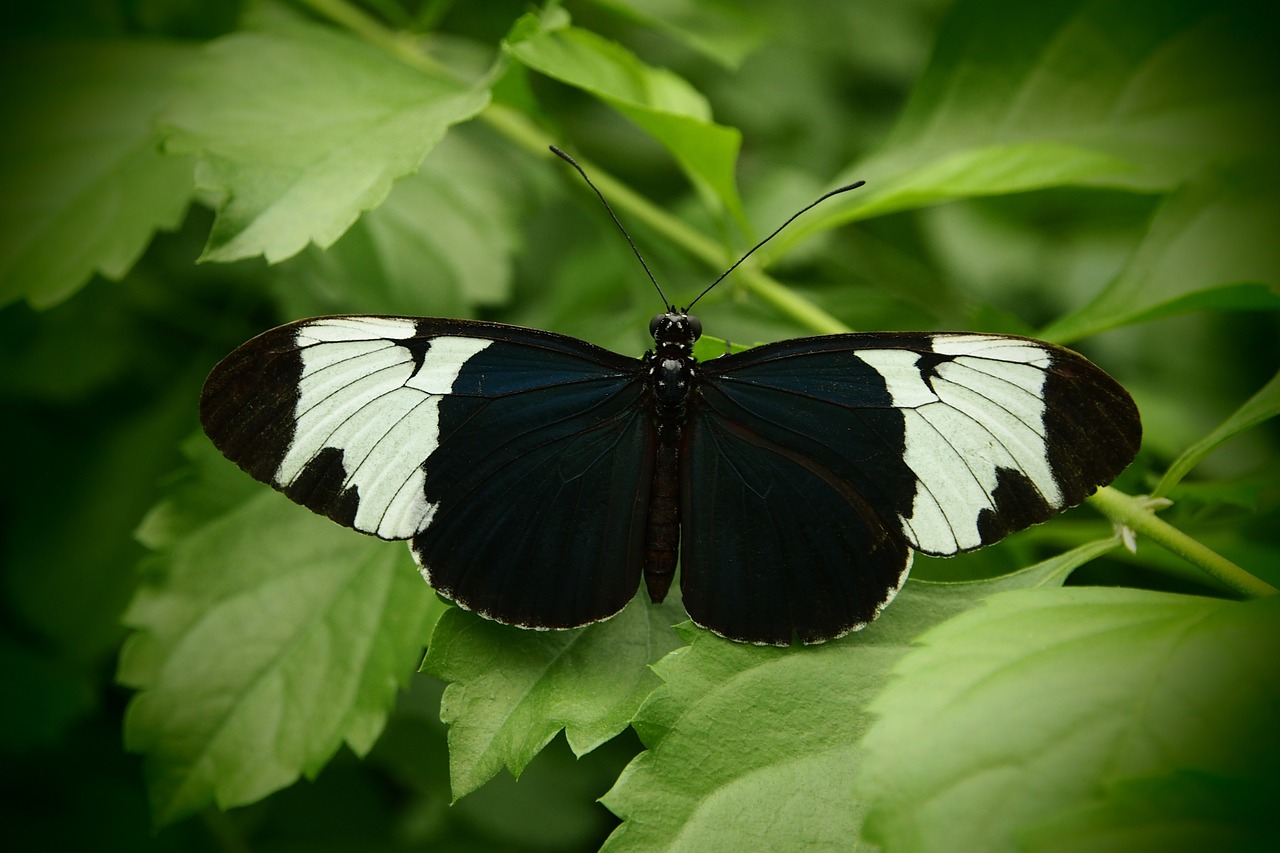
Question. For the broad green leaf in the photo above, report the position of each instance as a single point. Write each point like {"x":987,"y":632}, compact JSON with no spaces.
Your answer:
{"x":1211,"y":245}
{"x":1261,"y":407}
{"x":754,"y":748}
{"x":512,"y":691}
{"x":1023,"y":713}
{"x":1135,"y":95}
{"x":85,"y":183}
{"x":300,"y":130}
{"x":716,"y":29}
{"x":264,"y":639}
{"x":657,"y":100}
{"x":440,"y":246}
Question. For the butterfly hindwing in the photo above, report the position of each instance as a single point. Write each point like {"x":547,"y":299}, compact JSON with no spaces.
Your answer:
{"x":542,"y":491}
{"x":940,"y":442}
{"x":773,"y":545}
{"x":516,"y":460}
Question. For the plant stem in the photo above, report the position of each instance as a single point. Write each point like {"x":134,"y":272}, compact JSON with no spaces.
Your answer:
{"x":1135,"y":514}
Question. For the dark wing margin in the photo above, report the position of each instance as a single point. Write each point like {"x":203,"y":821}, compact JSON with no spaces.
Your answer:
{"x":949,"y":441}
{"x":512,"y":458}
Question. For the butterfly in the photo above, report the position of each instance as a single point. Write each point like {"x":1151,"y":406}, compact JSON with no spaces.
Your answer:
{"x":539,"y":477}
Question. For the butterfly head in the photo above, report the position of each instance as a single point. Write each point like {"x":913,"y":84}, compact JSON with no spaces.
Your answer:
{"x":675,"y":328}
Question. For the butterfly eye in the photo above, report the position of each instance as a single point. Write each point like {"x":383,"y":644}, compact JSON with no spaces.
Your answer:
{"x":695,"y":327}
{"x":653,"y":324}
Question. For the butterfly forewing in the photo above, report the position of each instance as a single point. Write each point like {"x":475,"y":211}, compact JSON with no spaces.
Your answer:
{"x":517,"y":461}
{"x":944,"y":442}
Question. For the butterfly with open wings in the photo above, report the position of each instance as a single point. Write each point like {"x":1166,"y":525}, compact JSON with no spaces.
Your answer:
{"x":539,"y":477}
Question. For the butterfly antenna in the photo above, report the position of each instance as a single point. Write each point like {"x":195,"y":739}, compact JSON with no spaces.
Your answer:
{"x":778,"y":230}
{"x":574,"y":163}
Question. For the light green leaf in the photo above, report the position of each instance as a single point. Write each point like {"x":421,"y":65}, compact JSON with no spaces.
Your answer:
{"x":660,"y":102}
{"x":1025,"y":711}
{"x":440,"y":246}
{"x":85,"y":184}
{"x":1259,"y":408}
{"x":265,"y":638}
{"x":300,"y":130}
{"x":1017,"y":96}
{"x":1211,"y":245}
{"x":512,"y":690}
{"x":754,"y":748}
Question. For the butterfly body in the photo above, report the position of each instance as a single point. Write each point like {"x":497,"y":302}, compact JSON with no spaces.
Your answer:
{"x":538,"y":477}
{"x":670,"y":383}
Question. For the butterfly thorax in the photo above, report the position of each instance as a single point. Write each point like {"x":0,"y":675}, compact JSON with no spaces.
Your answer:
{"x":672,"y":365}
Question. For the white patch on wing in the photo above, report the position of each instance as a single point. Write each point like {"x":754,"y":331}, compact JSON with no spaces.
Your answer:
{"x":355,"y":329}
{"x":446,"y":358}
{"x":360,"y":393}
{"x":984,"y":412}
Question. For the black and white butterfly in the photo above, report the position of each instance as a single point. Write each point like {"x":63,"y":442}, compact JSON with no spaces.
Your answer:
{"x":538,"y":477}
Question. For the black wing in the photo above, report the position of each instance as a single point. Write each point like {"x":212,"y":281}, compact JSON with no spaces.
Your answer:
{"x":518,"y":462}
{"x":813,"y":466}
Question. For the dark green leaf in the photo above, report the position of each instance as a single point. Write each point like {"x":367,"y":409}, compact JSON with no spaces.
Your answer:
{"x":1018,"y":96}
{"x":717,"y":29}
{"x":85,"y":184}
{"x":1259,"y":408}
{"x":1209,"y":247}
{"x":1026,"y":710}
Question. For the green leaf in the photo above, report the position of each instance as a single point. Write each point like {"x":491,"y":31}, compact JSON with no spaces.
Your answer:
{"x":1018,"y":96}
{"x":265,"y":638}
{"x":85,"y":184}
{"x":657,"y":100}
{"x":754,"y":748}
{"x":718,"y":30}
{"x":1211,"y":245}
{"x":300,"y":130}
{"x":1261,"y":407}
{"x":512,"y":690}
{"x":1180,"y":811}
{"x":441,"y":246}
{"x":1040,"y":704}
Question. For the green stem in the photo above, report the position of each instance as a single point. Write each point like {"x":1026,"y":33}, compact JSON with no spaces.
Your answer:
{"x":1135,"y":514}
{"x":519,"y":129}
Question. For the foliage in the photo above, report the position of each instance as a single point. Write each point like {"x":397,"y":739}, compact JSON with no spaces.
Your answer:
{"x":179,"y":176}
